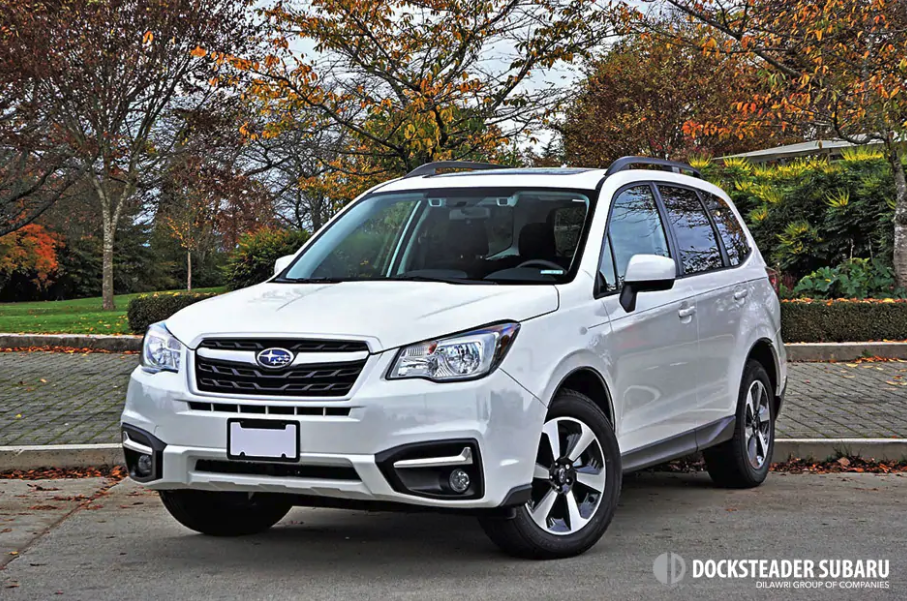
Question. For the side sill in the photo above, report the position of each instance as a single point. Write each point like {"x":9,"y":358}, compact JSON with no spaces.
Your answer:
{"x":677,"y":446}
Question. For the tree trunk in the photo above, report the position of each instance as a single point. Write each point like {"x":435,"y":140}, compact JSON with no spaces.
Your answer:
{"x":188,"y":271}
{"x":900,"y":216}
{"x":110,"y":229}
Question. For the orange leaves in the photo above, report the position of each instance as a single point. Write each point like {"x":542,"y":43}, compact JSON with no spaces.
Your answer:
{"x":31,"y":250}
{"x":199,"y":52}
{"x":148,"y":38}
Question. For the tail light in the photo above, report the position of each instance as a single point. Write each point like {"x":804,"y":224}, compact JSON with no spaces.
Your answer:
{"x":774,"y":276}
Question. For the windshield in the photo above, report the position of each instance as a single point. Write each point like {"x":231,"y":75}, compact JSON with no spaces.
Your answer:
{"x":458,"y":235}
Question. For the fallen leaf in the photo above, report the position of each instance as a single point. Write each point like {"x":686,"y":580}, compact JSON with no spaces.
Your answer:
{"x":844,"y":461}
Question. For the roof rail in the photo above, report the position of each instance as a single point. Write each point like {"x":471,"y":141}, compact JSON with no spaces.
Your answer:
{"x":432,"y":168}
{"x":624,"y":163}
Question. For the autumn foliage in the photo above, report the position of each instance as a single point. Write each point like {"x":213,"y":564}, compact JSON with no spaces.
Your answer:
{"x":838,"y":67}
{"x":30,"y":251}
{"x":645,"y":92}
{"x":402,"y":83}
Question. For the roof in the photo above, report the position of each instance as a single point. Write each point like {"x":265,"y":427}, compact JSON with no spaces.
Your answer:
{"x":814,"y":147}
{"x":542,"y":177}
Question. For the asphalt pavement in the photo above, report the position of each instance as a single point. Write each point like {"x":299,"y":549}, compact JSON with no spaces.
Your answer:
{"x":123,"y":545}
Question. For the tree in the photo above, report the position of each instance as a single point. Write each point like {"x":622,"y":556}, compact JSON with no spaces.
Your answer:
{"x":30,"y":251}
{"x":838,"y":65}
{"x":408,"y":82}
{"x":208,"y":205}
{"x":103,"y":77}
{"x":641,"y":96}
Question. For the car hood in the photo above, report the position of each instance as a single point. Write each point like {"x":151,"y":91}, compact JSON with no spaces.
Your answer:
{"x":386,"y":314}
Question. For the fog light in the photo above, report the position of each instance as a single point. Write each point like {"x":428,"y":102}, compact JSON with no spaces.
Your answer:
{"x":459,"y":481}
{"x":143,"y":466}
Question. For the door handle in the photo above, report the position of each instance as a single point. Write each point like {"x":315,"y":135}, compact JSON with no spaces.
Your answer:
{"x":740,"y":293}
{"x":686,"y":312}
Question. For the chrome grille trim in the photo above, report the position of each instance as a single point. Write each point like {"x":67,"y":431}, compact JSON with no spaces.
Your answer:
{"x":320,"y":368}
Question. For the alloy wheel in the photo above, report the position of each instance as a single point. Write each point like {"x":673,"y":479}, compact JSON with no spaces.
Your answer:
{"x":758,"y":424}
{"x":569,"y":477}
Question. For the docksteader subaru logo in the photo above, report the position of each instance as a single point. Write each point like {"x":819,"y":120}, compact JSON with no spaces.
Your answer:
{"x":797,"y":573}
{"x":274,"y":358}
{"x":669,"y":568}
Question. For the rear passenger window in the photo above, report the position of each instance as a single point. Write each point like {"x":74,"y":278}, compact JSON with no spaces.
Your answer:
{"x":729,"y":229}
{"x":696,"y":239}
{"x":635,"y":228}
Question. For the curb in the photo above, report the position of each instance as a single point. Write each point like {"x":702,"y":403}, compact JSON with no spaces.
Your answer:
{"x":796,"y":351}
{"x":71,"y":456}
{"x":64,"y":456}
{"x":891,"y":449}
{"x":844,"y":351}
{"x":95,"y":342}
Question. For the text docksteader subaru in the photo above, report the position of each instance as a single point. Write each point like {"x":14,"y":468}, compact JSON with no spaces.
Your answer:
{"x":504,"y":341}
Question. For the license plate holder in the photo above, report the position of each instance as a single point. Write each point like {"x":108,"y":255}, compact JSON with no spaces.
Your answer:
{"x":262,"y":440}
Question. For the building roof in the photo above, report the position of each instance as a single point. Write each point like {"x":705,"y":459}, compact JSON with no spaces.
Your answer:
{"x":816,"y":147}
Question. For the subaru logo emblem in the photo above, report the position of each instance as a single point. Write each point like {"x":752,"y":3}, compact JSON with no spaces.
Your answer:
{"x":274,"y":358}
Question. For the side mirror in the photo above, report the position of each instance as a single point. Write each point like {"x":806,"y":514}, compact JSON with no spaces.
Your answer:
{"x":646,"y":273}
{"x":281,"y":263}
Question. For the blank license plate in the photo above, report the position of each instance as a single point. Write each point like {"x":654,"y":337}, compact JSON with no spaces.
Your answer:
{"x":263,"y":440}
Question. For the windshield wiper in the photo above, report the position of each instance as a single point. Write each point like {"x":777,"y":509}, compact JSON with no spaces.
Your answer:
{"x":310,"y":280}
{"x":438,"y":278}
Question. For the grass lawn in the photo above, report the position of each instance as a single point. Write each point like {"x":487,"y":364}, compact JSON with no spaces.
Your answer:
{"x":80,"y":316}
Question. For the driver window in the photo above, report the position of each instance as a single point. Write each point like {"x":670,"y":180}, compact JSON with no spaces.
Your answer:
{"x":635,"y":228}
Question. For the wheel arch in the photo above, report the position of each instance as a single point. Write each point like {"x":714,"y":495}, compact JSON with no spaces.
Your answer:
{"x":763,"y":351}
{"x":588,"y":381}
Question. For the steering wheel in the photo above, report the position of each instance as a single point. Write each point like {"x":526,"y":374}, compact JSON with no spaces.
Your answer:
{"x":540,"y":263}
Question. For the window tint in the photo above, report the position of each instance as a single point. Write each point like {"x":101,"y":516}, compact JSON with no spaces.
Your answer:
{"x":729,"y":229}
{"x":636,"y":227}
{"x":696,"y":240}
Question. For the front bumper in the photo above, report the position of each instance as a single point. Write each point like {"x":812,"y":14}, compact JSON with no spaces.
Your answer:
{"x":342,"y":455}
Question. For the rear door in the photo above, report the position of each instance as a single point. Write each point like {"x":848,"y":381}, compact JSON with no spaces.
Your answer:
{"x":653,"y":348}
{"x":718,"y":294}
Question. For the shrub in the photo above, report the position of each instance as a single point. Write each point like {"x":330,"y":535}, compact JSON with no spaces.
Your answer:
{"x":857,"y":278}
{"x":843,"y":320}
{"x":253,"y":261}
{"x":147,"y":309}
{"x":813,"y":212}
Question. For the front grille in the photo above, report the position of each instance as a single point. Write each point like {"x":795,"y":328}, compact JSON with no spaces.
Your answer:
{"x":271,"y":409}
{"x":321,"y":380}
{"x":277,"y":470}
{"x":295,"y":346}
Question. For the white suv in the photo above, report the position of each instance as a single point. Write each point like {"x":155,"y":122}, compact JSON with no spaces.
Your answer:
{"x":503,"y":342}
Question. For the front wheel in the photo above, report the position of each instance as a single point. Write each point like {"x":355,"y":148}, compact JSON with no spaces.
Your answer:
{"x":575,"y":485}
{"x":225,"y":513}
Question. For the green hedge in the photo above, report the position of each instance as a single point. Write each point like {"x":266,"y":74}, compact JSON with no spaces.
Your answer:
{"x":253,"y":260}
{"x":148,"y":309}
{"x":843,"y":320}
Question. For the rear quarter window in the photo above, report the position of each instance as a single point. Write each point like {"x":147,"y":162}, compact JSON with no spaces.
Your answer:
{"x":730,"y":230}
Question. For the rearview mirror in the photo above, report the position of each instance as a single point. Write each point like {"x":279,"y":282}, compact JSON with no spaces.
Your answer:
{"x":646,"y":273}
{"x":281,"y":263}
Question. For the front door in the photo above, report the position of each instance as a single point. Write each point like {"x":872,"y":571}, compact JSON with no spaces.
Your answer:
{"x":654,"y":347}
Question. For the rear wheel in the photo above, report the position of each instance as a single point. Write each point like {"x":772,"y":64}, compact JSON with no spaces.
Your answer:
{"x":744,"y":460}
{"x":575,"y":485}
{"x":225,"y":513}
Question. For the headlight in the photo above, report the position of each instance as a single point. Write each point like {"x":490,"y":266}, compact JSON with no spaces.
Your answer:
{"x":461,"y":357}
{"x":160,"y":350}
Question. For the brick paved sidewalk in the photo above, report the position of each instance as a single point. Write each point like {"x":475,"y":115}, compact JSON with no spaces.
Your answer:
{"x":55,"y":398}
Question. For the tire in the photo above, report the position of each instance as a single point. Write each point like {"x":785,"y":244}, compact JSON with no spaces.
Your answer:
{"x":225,"y":513}
{"x":599,"y":464}
{"x":744,"y":460}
